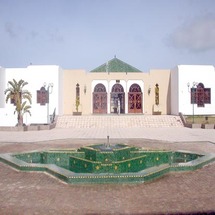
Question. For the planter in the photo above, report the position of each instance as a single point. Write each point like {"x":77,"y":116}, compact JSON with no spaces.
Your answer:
{"x":44,"y":127}
{"x":52,"y":125}
{"x":157,"y":113}
{"x":204,"y":126}
{"x":77,"y":113}
{"x":194,"y":125}
{"x":22,"y":128}
{"x":157,"y":109}
{"x":32,"y":128}
{"x":208,"y":126}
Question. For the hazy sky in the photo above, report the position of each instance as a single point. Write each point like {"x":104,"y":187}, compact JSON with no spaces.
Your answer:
{"x":83,"y":34}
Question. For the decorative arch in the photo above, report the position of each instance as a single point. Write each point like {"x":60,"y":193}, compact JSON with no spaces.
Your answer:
{"x":100,"y":99}
{"x":100,"y":88}
{"x":135,"y":99}
{"x":117,"y":88}
{"x":117,"y":103}
{"x":135,"y":88}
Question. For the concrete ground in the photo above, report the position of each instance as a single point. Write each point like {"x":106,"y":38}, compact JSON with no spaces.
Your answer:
{"x":175,"y":193}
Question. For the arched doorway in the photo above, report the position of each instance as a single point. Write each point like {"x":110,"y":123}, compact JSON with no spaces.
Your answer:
{"x":117,"y":99}
{"x":100,"y":99}
{"x":135,"y":99}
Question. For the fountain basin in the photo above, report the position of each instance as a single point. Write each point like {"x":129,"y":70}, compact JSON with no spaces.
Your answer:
{"x":118,"y":163}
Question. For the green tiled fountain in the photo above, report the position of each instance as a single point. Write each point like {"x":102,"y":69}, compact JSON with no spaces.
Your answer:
{"x":105,"y":163}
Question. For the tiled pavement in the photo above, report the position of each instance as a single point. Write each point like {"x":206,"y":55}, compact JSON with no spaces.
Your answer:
{"x":166,"y":134}
{"x":39,"y":193}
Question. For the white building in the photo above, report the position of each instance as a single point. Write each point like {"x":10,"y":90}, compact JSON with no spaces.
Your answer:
{"x":183,"y":78}
{"x":116,"y":80}
{"x":36,"y":76}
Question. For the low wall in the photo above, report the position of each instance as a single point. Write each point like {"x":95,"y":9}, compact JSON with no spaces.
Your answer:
{"x":34,"y":127}
{"x":195,"y":125}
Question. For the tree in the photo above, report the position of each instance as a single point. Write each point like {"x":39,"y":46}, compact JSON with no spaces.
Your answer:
{"x":17,"y":96}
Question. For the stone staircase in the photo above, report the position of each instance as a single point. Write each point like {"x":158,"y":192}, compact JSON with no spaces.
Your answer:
{"x":118,"y":121}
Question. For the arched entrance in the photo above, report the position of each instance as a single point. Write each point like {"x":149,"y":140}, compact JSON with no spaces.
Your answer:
{"x":135,"y":99}
{"x":117,"y":99}
{"x":100,"y":99}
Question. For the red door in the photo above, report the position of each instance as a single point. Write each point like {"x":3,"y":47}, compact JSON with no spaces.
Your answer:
{"x":135,"y":99}
{"x":100,"y":99}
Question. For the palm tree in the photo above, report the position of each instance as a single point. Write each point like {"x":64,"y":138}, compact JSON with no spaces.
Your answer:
{"x":16,"y":94}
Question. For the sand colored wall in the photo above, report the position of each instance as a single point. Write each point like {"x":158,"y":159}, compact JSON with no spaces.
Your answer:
{"x":162,"y":78}
{"x":70,"y":79}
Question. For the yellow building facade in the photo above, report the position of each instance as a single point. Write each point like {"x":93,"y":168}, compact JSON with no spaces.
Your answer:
{"x":116,"y":87}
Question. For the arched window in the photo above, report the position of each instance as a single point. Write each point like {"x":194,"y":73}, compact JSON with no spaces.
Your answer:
{"x":99,"y":99}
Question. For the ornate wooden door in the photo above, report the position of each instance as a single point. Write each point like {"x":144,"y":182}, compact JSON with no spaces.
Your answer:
{"x":135,"y":99}
{"x":100,"y":99}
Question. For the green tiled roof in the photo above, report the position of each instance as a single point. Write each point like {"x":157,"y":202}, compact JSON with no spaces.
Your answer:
{"x":115,"y":65}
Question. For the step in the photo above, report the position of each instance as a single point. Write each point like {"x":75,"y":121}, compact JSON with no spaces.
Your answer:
{"x":118,"y":121}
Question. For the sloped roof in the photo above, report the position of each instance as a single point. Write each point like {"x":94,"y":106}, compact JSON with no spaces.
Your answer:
{"x":115,"y":65}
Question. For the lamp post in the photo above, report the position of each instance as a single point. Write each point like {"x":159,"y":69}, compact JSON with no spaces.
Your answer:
{"x":49,"y":91}
{"x":192,"y":91}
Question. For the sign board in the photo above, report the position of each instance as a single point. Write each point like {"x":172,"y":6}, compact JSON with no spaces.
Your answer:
{"x":42,"y":96}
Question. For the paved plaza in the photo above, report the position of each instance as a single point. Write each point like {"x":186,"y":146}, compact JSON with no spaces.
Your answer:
{"x":175,"y":193}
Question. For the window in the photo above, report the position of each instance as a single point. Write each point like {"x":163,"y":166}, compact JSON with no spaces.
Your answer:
{"x":200,"y":95}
